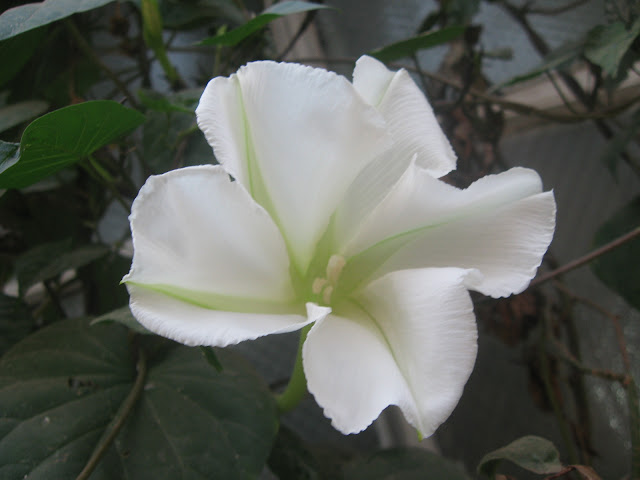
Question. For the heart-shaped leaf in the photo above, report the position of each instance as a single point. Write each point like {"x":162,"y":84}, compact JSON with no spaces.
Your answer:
{"x":61,"y":387}
{"x":65,"y":136}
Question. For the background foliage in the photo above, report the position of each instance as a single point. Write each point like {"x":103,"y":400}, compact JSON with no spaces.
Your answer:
{"x":93,"y":100}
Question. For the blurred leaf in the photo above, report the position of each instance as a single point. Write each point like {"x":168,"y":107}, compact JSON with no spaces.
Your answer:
{"x":185,"y":103}
{"x":60,"y":387}
{"x":212,"y":359}
{"x":182,"y":14}
{"x":559,"y":58}
{"x":618,"y":269}
{"x":403,"y":464}
{"x":172,"y":140}
{"x":532,"y":453}
{"x":18,"y":113}
{"x":15,"y":321}
{"x":65,"y":136}
{"x":9,"y":154}
{"x":103,"y":290}
{"x":291,"y":458}
{"x":406,"y":48}
{"x":124,"y":317}
{"x":460,"y":11}
{"x":275,"y":11}
{"x":617,"y":145}
{"x":51,"y":259}
{"x":33,"y":15}
{"x":606,"y":45}
{"x":16,"y":51}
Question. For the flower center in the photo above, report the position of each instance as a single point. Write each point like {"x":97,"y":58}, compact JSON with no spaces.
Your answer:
{"x":324,"y":286}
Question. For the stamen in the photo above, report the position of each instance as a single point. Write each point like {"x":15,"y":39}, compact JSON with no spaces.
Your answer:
{"x":318,"y":285}
{"x":334,"y":268}
{"x":326,"y":294}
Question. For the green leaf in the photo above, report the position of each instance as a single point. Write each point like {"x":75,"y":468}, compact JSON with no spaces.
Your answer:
{"x":16,"y":51}
{"x":124,"y":317}
{"x":406,"y":48}
{"x":183,"y":102}
{"x":180,"y":14}
{"x":291,"y":458}
{"x":65,"y":136}
{"x":51,"y":259}
{"x":60,"y":387}
{"x":33,"y":15}
{"x":606,"y":45}
{"x":618,"y":269}
{"x":15,"y":321}
{"x":171,"y":139}
{"x":532,"y":453}
{"x":278,"y":10}
{"x":18,"y":113}
{"x":460,"y":11}
{"x":103,"y":290}
{"x":403,"y":464}
{"x":210,"y":356}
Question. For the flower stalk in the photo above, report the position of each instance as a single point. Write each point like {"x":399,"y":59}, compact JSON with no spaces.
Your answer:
{"x":297,"y":387}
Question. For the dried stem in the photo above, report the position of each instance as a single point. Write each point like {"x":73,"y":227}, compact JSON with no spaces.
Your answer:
{"x":564,"y":354}
{"x":308,"y":20}
{"x":556,"y":10}
{"x":579,"y":262}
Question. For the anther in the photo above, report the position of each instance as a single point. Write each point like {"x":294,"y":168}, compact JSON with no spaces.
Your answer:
{"x":334,"y":268}
{"x":326,"y":294}
{"x":318,"y":285}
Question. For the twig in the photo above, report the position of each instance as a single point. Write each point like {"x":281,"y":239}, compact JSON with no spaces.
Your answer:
{"x":121,"y":416}
{"x":587,"y":258}
{"x":556,"y":10}
{"x":54,"y":298}
{"x":561,"y":94}
{"x":308,"y":19}
{"x":566,"y":355}
{"x":545,"y":367}
{"x":88,"y":51}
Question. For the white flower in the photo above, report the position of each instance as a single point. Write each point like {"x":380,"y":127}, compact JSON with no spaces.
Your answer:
{"x":336,"y":218}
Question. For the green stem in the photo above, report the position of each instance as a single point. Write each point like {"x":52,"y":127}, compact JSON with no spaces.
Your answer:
{"x":297,"y":387}
{"x":106,"y":178}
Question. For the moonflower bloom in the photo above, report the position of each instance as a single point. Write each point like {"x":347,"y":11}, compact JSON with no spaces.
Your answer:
{"x":335,"y":220}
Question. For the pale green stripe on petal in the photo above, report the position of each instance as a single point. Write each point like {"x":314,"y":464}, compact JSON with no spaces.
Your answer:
{"x":213,"y":301}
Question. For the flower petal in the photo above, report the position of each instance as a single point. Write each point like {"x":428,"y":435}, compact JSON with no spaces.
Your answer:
{"x":201,"y":238}
{"x":191,"y":324}
{"x":295,"y":137}
{"x":410,"y":118}
{"x":501,"y":225}
{"x":408,"y":339}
